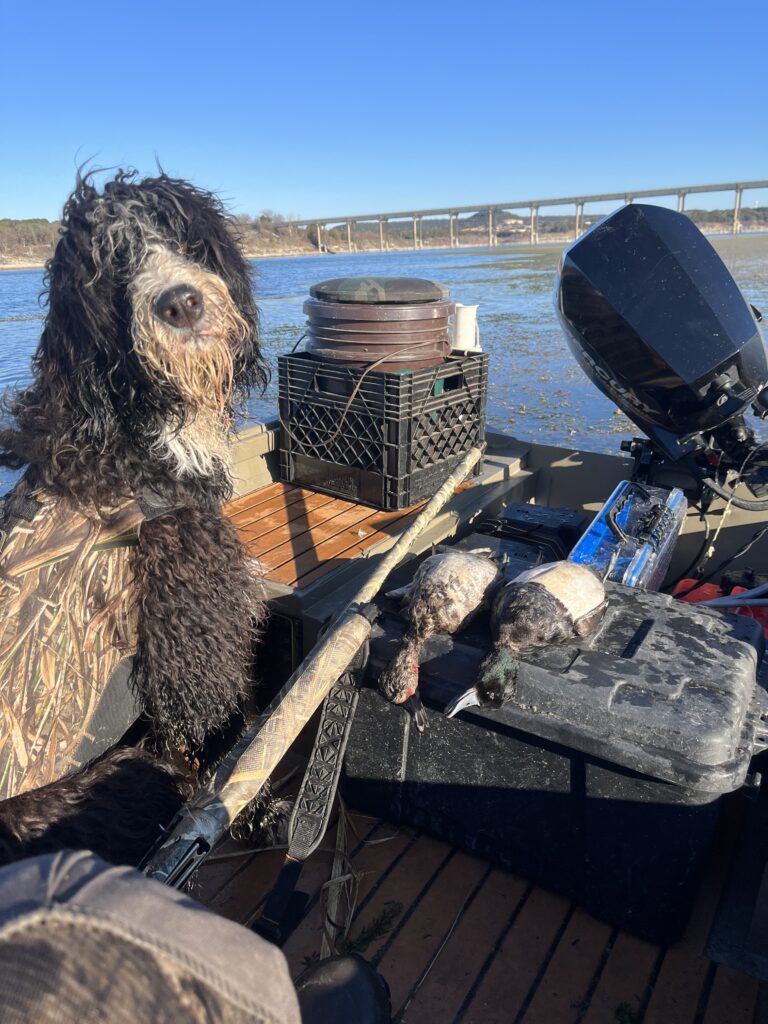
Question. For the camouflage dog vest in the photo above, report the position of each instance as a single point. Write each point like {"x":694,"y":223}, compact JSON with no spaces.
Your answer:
{"x":67,"y":620}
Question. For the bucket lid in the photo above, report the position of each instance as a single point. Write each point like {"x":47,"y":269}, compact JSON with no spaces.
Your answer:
{"x":376,"y":290}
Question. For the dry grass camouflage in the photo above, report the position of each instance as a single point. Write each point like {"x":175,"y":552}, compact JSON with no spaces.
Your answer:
{"x":66,"y":621}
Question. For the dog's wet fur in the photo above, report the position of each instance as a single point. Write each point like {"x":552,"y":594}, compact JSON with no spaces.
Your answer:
{"x":150,"y":345}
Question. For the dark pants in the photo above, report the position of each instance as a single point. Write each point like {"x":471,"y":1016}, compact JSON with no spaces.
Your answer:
{"x":82,"y":942}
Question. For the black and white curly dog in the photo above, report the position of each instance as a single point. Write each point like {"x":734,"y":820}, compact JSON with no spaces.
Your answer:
{"x":149,"y":345}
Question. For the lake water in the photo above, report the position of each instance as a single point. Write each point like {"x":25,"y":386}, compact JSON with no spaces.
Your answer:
{"x":536,"y":389}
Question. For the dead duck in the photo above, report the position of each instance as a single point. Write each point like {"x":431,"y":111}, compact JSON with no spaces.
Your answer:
{"x":447,"y":591}
{"x":548,"y":604}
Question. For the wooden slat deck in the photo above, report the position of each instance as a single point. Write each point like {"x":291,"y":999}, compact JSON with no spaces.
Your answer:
{"x":299,"y":535}
{"x":459,"y":940}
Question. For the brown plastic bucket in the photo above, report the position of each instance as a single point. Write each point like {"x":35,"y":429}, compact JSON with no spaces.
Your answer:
{"x":394,"y":335}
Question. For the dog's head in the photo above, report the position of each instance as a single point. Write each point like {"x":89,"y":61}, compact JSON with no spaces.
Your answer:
{"x":151,"y":337}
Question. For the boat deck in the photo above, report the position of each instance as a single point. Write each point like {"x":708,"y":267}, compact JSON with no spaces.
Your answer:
{"x":459,"y":940}
{"x":300,"y":535}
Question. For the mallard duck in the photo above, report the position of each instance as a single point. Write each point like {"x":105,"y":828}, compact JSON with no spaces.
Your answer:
{"x":448,"y":589}
{"x":548,"y":604}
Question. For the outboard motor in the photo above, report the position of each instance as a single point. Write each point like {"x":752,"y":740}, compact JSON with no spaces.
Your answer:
{"x":658,"y":323}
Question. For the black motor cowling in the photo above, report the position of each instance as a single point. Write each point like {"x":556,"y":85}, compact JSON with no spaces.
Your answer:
{"x":658,"y":323}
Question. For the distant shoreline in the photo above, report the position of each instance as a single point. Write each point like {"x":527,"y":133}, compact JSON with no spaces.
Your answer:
{"x":21,"y":265}
{"x":374,"y":250}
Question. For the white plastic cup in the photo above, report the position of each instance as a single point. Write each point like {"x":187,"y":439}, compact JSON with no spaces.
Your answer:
{"x":466,"y":333}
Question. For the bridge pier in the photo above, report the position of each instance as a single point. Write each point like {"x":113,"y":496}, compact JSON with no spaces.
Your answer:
{"x":349,"y":236}
{"x":579,"y":218}
{"x":381,"y":234}
{"x":452,"y":241}
{"x":491,"y":229}
{"x":415,"y":242}
{"x":681,"y":201}
{"x":737,"y":211}
{"x":534,"y":225}
{"x":628,"y":199}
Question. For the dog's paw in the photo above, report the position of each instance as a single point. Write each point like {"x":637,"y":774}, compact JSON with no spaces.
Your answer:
{"x":263,"y":822}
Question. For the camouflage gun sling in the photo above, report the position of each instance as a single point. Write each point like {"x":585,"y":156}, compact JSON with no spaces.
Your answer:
{"x":252,"y":760}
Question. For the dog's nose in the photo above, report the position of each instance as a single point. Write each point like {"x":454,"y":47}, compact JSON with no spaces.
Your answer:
{"x":181,"y":306}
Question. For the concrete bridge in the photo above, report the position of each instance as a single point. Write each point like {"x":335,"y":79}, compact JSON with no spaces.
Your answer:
{"x":492,"y":211}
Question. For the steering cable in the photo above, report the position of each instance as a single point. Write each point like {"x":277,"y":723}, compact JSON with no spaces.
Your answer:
{"x":748,"y":504}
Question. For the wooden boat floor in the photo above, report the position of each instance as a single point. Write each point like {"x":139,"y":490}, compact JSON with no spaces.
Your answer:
{"x":300,"y":535}
{"x":460,"y":940}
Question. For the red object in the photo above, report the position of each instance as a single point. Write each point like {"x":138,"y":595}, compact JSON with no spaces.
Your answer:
{"x":699,"y":592}
{"x":709,"y":591}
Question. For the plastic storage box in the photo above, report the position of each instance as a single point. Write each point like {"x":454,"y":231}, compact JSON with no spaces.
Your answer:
{"x":382,"y":439}
{"x":632,"y":538}
{"x":602,"y":778}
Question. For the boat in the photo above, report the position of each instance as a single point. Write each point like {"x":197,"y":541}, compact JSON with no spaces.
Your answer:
{"x":457,"y":933}
{"x":434,"y":900}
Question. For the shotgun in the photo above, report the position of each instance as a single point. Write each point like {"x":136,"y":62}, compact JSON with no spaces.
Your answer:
{"x":242,"y":773}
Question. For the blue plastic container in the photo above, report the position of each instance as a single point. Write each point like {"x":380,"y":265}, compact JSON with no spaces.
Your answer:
{"x":632,"y":538}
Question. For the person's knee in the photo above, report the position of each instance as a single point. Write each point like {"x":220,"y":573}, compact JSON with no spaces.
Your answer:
{"x":77,"y":933}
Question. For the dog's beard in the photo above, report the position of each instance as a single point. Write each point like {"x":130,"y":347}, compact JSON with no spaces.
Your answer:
{"x":198,"y":362}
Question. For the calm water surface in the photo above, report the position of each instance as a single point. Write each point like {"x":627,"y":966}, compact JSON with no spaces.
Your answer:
{"x":536,"y":389}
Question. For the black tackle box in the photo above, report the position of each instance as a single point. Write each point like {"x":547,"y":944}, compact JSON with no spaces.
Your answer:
{"x":602,"y":778}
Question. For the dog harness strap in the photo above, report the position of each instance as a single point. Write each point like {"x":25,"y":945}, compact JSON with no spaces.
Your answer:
{"x":26,"y":508}
{"x":18,"y":506}
{"x":154,"y":505}
{"x":312,"y":810}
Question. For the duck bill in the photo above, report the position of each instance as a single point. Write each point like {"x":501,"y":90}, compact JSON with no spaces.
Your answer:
{"x":468,"y":699}
{"x":416,"y":710}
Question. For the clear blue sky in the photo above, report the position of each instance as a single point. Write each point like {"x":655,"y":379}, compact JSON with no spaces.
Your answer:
{"x":332,"y":108}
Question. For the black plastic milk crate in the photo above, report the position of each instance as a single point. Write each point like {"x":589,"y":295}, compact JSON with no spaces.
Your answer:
{"x":382,"y":439}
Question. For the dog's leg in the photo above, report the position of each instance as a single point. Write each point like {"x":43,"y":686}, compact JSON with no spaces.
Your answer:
{"x":114,"y":806}
{"x":200,"y":611}
{"x":199,"y":606}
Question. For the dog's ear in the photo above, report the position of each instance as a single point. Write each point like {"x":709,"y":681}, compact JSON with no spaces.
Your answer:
{"x":85,"y":348}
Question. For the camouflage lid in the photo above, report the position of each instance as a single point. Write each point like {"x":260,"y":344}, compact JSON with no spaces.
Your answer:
{"x":378,"y":290}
